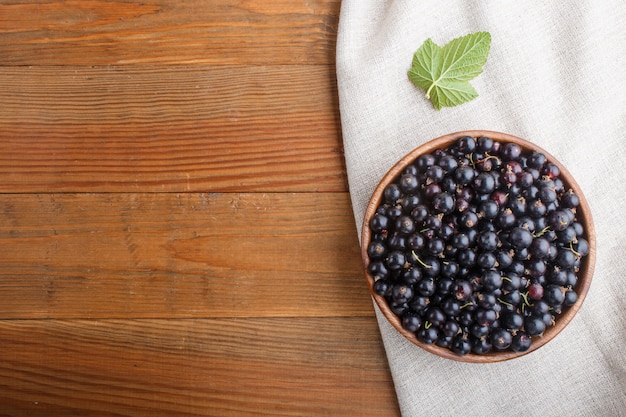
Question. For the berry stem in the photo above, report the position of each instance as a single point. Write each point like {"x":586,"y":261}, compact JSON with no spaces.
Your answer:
{"x":571,"y":247}
{"x":417,"y":258}
{"x":542,"y":231}
{"x":525,"y":297}
{"x":487,"y":157}
{"x":505,"y":303}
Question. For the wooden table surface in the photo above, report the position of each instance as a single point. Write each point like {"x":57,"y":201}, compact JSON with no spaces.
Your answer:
{"x":176,"y":231}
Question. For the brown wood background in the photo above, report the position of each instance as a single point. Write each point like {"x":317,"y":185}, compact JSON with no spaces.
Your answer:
{"x":176,"y":235}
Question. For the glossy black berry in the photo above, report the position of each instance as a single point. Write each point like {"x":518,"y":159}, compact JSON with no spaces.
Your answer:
{"x":435,"y":246}
{"x":443,"y":203}
{"x":505,"y":219}
{"x":411,"y":321}
{"x":376,"y":250}
{"x":426,"y":287}
{"x":485,"y":317}
{"x":511,"y":151}
{"x":520,"y":238}
{"x":419,"y":303}
{"x":466,"y":145}
{"x":460,"y":345}
{"x":484,"y":143}
{"x":540,"y":248}
{"x":448,"y":163}
{"x":431,"y":265}
{"x":449,"y":269}
{"x":402,"y":293}
{"x":511,"y":282}
{"x":491,"y":280}
{"x":512,"y":321}
{"x":481,"y":346}
{"x":534,"y":326}
{"x":488,"y":241}
{"x":382,"y":287}
{"x":486,"y":260}
{"x":484,"y":183}
{"x":395,"y":260}
{"x":424,"y":161}
{"x":570,"y":199}
{"x":554,"y":295}
{"x":570,"y":298}
{"x":462,"y":290}
{"x":461,"y":241}
{"x":464,"y":175}
{"x":451,"y":307}
{"x":428,"y":333}
{"x":408,"y":184}
{"x":547,"y":195}
{"x":559,"y":220}
{"x":409,"y":202}
{"x":521,"y":342}
{"x":468,"y":219}
{"x":377,"y":269}
{"x":434,"y":173}
{"x":581,"y":247}
{"x":379,"y":223}
{"x":392,"y":193}
{"x":501,"y":339}
{"x":566,"y":258}
{"x":405,"y":225}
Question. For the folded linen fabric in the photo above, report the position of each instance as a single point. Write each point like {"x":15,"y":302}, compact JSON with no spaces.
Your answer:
{"x":555,"y":75}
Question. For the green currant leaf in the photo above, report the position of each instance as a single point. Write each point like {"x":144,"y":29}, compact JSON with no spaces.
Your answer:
{"x":444,"y":72}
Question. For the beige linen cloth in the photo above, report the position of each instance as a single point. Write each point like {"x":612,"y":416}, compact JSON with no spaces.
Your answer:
{"x":556,"y":75}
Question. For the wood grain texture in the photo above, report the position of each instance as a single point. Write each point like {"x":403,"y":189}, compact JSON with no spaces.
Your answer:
{"x":216,"y":32}
{"x":176,"y":230}
{"x":179,"y":255}
{"x":220,"y":367}
{"x":169,"y":129}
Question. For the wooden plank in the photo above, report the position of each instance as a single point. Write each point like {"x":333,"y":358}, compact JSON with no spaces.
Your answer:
{"x":220,"y":367}
{"x":169,"y":129}
{"x":179,"y":255}
{"x":216,"y":32}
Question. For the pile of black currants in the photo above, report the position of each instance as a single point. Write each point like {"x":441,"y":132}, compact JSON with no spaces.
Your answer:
{"x":476,"y":247}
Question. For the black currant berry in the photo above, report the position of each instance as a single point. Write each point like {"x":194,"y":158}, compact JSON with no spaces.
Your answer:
{"x":392,"y":193}
{"x":443,"y":203}
{"x":534,"y":326}
{"x":409,"y":184}
{"x":481,"y":346}
{"x":379,"y":223}
{"x":428,"y":333}
{"x":382,"y":287}
{"x":411,"y":321}
{"x":520,"y":238}
{"x":395,"y":260}
{"x":521,"y":342}
{"x":501,"y":339}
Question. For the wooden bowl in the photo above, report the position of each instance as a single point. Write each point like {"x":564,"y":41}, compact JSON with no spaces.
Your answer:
{"x":583,"y":214}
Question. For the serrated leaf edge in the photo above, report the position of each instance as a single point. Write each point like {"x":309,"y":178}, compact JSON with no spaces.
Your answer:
{"x":482,"y":36}
{"x":481,"y":48}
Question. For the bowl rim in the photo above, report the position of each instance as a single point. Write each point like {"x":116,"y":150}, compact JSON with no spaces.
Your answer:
{"x":583,"y":213}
